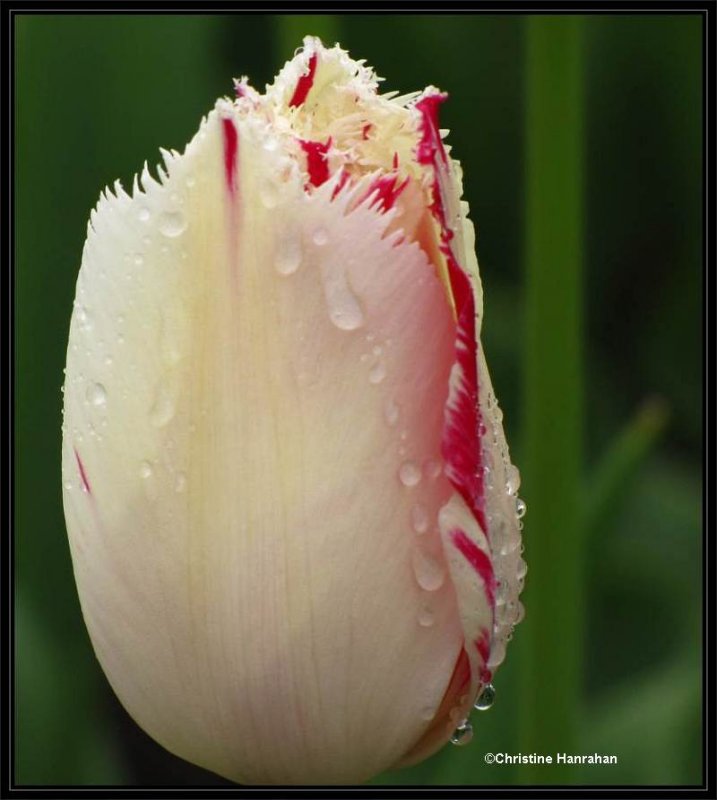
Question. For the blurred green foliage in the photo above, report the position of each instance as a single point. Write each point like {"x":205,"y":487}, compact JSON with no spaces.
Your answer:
{"x":97,"y":95}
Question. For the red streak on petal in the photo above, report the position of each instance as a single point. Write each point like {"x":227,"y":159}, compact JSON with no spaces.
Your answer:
{"x":343,"y":180}
{"x":304,"y":84}
{"x":483,"y":647}
{"x":395,"y":160}
{"x":83,"y":474}
{"x":317,"y":160}
{"x":231,"y":146}
{"x":430,"y":142}
{"x":478,"y":559}
{"x":385,"y":190}
{"x":461,"y":443}
{"x":364,"y":131}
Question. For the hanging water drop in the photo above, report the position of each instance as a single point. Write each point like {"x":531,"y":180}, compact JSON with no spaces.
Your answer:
{"x":145,"y":470}
{"x":486,"y":698}
{"x":520,"y":508}
{"x":462,"y":734}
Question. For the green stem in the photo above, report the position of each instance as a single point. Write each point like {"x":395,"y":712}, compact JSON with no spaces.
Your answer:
{"x":552,"y":464}
{"x":291,"y":29}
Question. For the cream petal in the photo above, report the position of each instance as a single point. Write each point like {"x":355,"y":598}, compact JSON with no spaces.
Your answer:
{"x":254,"y":403}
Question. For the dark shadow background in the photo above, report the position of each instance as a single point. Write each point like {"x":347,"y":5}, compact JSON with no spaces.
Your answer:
{"x":97,"y":95}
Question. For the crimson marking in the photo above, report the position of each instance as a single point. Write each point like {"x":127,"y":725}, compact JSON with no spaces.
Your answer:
{"x":231,"y":146}
{"x":479,"y":560}
{"x":482,"y":644}
{"x":83,"y":474}
{"x":317,"y":160}
{"x":386,"y":190}
{"x":304,"y":84}
{"x":461,"y":444}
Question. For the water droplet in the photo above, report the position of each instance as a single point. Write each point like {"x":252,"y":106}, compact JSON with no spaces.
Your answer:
{"x":320,"y":237}
{"x":486,"y":698}
{"x":429,"y":573}
{"x":419,"y":518}
{"x":462,"y":734}
{"x":512,"y":479}
{"x":426,"y":617}
{"x":68,"y":486}
{"x":96,"y":394}
{"x":288,"y":255}
{"x":144,"y":215}
{"x":146,"y":241}
{"x":520,"y":508}
{"x":497,"y":655}
{"x":519,"y":613}
{"x":162,"y":409}
{"x":427,"y":713}
{"x":138,"y":259}
{"x":391,"y":412}
{"x":189,"y":181}
{"x":84,"y":318}
{"x":432,"y":468}
{"x":145,"y":470}
{"x":269,"y":194}
{"x":521,"y":569}
{"x":409,"y":474}
{"x":377,"y":350}
{"x":180,"y":482}
{"x":172,"y":223}
{"x":377,"y":373}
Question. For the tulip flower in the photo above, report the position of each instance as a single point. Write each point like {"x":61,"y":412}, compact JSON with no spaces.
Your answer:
{"x":292,"y":513}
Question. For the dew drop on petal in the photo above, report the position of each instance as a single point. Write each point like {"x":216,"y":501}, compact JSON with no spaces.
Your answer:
{"x":432,"y":469}
{"x":429,"y":573}
{"x":269,"y":194}
{"x":377,"y":373}
{"x":512,"y":479}
{"x":172,"y":223}
{"x":409,"y":474}
{"x":391,"y":412}
{"x":96,"y":394}
{"x":288,"y":255}
{"x":426,"y":617}
{"x":320,"y":237}
{"x":162,"y":409}
{"x":144,"y":215}
{"x":419,"y":518}
{"x":462,"y":734}
{"x":520,"y":508}
{"x":145,"y":470}
{"x":486,"y":698}
{"x":180,"y":482}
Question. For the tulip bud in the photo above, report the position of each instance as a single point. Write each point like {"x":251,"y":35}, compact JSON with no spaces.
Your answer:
{"x":290,"y":504}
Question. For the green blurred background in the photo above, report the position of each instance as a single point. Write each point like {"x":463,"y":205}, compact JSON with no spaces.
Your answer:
{"x":581,"y":142}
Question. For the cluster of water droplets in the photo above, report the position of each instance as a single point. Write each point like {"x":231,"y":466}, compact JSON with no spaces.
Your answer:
{"x":505,"y":512}
{"x":463,"y":733}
